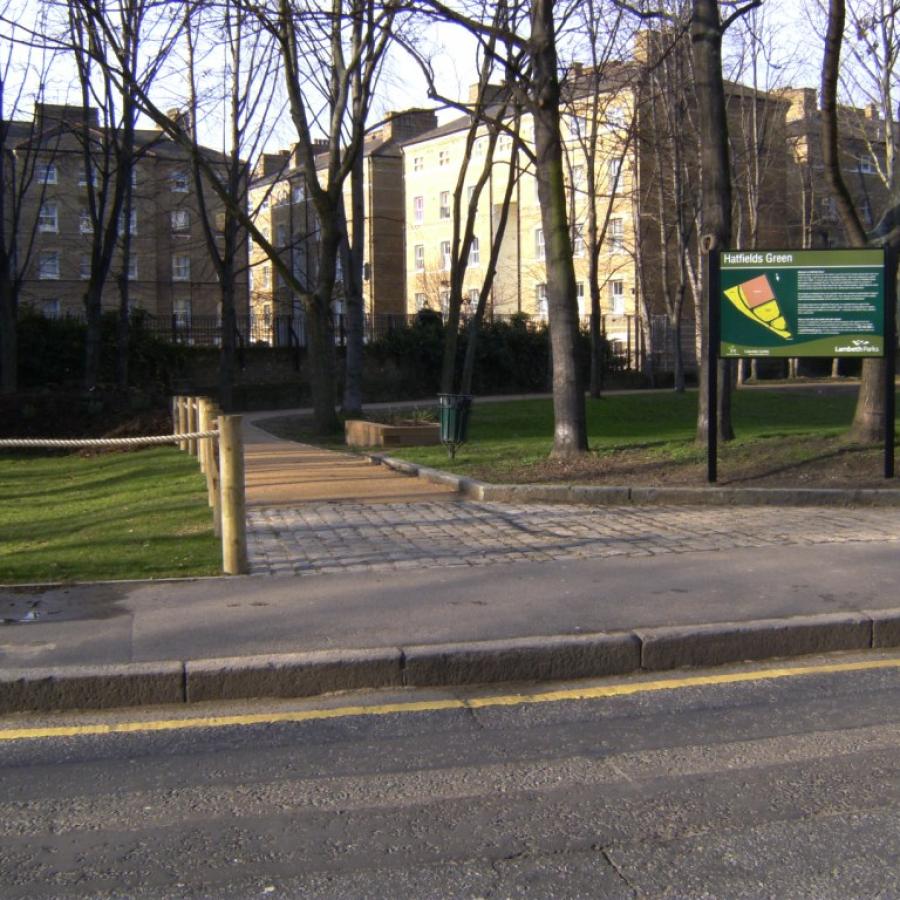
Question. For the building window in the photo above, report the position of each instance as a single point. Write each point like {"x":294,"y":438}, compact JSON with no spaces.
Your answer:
{"x":299,"y":193}
{"x":444,"y":158}
{"x":616,"y":235}
{"x":86,"y":177}
{"x":419,"y":254}
{"x":540,"y":249}
{"x":132,"y":267}
{"x":421,"y":302}
{"x":578,"y":179}
{"x":445,"y":205}
{"x":48,"y":265}
{"x":445,"y":303}
{"x":181,"y":311}
{"x":578,"y":240}
{"x":418,"y":210}
{"x":418,"y":164}
{"x":475,"y":253}
{"x":181,"y":221}
{"x":617,"y":297}
{"x":181,"y":268}
{"x":614,"y":169}
{"x":46,"y":173}
{"x":578,"y":126}
{"x":85,"y":223}
{"x":579,"y":296}
{"x":50,"y":308}
{"x":265,"y":276}
{"x":540,"y":292}
{"x":48,"y":218}
{"x":615,"y":117}
{"x":132,"y":222}
{"x":480,"y":146}
{"x":470,"y":193}
{"x":445,"y":255}
{"x":472,"y":301}
{"x":84,"y":267}
{"x":180,"y":182}
{"x":281,"y":235}
{"x":865,"y":165}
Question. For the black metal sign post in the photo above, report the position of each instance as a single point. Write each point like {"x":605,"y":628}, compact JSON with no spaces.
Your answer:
{"x":890,"y":358}
{"x":712,"y":364}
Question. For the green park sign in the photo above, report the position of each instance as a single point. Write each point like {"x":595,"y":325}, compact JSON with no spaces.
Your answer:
{"x":792,"y":303}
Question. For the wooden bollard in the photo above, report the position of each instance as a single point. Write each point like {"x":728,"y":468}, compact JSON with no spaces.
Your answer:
{"x":213,"y":477}
{"x":192,"y":419}
{"x":203,"y":425}
{"x":181,"y":420}
{"x":231,"y":473}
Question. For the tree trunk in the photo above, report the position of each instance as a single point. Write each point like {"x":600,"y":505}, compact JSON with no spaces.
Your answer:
{"x":9,"y":382}
{"x":227,"y":349}
{"x":570,"y":423}
{"x":706,"y":40}
{"x":122,"y":331}
{"x":353,"y":293}
{"x":92,"y":337}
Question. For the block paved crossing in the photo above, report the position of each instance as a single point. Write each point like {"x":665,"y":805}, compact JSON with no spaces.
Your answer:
{"x":313,"y":538}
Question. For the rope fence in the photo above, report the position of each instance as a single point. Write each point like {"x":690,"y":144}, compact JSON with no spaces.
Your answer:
{"x":146,"y":441}
{"x":199,"y":428}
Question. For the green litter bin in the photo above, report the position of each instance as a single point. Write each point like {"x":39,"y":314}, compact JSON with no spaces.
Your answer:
{"x":454,"y":410}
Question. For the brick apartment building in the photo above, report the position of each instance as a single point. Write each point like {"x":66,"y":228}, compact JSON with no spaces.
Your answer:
{"x":170,"y":274}
{"x":286,"y":217}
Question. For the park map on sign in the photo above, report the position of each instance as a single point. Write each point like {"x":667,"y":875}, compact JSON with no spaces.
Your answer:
{"x":756,"y":300}
{"x":787,"y":303}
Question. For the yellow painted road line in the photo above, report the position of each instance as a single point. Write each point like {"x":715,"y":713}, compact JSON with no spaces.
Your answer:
{"x":415,"y":706}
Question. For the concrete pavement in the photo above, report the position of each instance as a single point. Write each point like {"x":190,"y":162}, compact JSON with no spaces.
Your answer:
{"x":411,"y":585}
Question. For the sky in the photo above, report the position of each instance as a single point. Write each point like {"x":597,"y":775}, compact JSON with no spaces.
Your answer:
{"x":795,"y":61}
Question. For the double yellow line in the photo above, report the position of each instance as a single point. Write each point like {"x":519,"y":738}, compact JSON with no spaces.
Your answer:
{"x":417,"y":706}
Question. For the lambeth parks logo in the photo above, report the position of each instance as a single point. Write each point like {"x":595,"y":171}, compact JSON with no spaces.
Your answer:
{"x":858,"y":346}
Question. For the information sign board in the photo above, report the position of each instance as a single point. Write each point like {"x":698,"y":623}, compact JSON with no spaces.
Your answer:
{"x":800,"y":303}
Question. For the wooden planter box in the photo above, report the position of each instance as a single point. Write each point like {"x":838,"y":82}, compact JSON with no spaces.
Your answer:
{"x":359,"y":433}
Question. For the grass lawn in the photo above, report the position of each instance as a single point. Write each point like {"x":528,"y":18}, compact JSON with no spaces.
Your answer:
{"x":119,"y":515}
{"x":790,"y":437}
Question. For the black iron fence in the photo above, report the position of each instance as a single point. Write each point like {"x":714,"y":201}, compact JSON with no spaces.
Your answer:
{"x":628,"y":340}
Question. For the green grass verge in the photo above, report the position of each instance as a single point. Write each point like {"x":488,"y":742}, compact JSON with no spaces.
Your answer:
{"x":504,"y":437}
{"x":795,"y":436}
{"x":112,"y":516}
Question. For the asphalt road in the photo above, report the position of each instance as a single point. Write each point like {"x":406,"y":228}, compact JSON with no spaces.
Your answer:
{"x":757,"y":781}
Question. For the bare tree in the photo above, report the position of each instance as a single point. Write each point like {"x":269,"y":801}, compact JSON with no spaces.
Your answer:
{"x":875,"y":31}
{"x":248,"y":70}
{"x":531,"y":67}
{"x":22,"y":191}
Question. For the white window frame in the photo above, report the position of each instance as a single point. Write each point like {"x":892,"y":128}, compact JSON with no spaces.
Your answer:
{"x":84,"y":267}
{"x":181,"y":221}
{"x":475,"y":252}
{"x":443,"y":157}
{"x":132,"y":267}
{"x":49,"y":311}
{"x":46,"y":173}
{"x":540,"y":301}
{"x":421,"y":301}
{"x":48,"y":265}
{"x":418,"y":210}
{"x":181,"y":311}
{"x":181,"y":267}
{"x":48,"y":217}
{"x":132,"y":223}
{"x":577,"y":239}
{"x":444,"y":205}
{"x":418,"y":164}
{"x":540,"y":247}
{"x":445,"y":256}
{"x":419,"y":257}
{"x":85,"y":223}
{"x":614,"y":170}
{"x":865,"y":166}
{"x":298,"y":194}
{"x":616,"y":234}
{"x":84,"y":180}
{"x":617,"y":297}
{"x":180,"y":181}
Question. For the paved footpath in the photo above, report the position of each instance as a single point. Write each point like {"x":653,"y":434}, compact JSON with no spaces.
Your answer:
{"x":314,"y":511}
{"x":410,"y":585}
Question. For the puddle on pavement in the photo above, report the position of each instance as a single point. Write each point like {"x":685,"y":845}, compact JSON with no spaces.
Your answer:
{"x":23,"y":608}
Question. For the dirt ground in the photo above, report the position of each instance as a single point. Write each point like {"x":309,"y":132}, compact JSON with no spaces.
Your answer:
{"x":773,"y":462}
